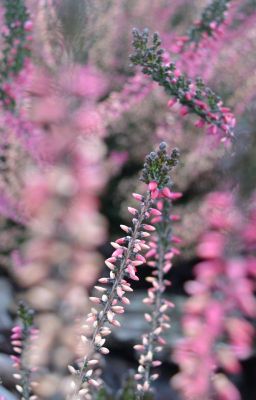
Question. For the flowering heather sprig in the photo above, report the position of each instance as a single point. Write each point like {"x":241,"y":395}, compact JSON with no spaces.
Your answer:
{"x":212,"y":17}
{"x":123,"y":265}
{"x":21,"y":338}
{"x":16,"y":34}
{"x":161,"y":253}
{"x":194,"y":96}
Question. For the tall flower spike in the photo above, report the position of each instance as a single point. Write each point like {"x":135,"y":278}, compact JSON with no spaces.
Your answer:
{"x":194,"y":97}
{"x":21,"y":338}
{"x":160,"y":254}
{"x":123,"y":265}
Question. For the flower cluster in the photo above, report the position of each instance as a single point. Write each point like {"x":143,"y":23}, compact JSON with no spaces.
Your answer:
{"x":21,"y":338}
{"x":194,"y":97}
{"x":160,"y":254}
{"x":216,"y":322}
{"x":123,"y":265}
{"x":209,"y":25}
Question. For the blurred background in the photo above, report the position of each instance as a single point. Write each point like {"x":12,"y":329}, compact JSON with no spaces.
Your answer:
{"x":70,"y":158}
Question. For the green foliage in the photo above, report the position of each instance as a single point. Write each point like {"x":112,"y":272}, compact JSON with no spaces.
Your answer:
{"x":26,"y":315}
{"x":103,"y":394}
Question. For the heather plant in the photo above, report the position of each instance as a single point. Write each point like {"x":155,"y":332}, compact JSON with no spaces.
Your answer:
{"x":123,"y":264}
{"x":194,"y":97}
{"x":80,"y":123}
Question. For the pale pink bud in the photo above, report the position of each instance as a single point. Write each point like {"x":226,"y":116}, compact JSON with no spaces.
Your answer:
{"x":103,"y":280}
{"x":118,"y":309}
{"x":136,"y":263}
{"x":125,"y":228}
{"x":167,"y":267}
{"x":95,"y":300}
{"x":156,"y":363}
{"x":137,"y":196}
{"x":148,"y":317}
{"x":119,"y":291}
{"x":72,"y":370}
{"x":152,"y":185}
{"x":127,"y":288}
{"x":110,"y":316}
{"x":125,"y":300}
{"x":156,"y":212}
{"x":115,"y":245}
{"x":145,"y":234}
{"x":139,"y":347}
{"x":93,"y":382}
{"x":93,"y":362}
{"x":104,"y":350}
{"x":149,"y":228}
{"x":16,"y":329}
{"x":132,"y":210}
{"x":110,"y":265}
{"x":17,"y":350}
{"x":116,"y":323}
{"x":100,"y":289}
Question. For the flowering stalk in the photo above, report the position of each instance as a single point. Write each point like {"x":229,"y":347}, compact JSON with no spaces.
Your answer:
{"x":162,"y":252}
{"x":194,"y":97}
{"x":21,"y":338}
{"x":123,"y":264}
{"x":212,"y":17}
{"x":16,"y":49}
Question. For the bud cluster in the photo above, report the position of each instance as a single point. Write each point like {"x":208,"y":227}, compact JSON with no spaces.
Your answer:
{"x":193,"y":96}
{"x":21,"y":338}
